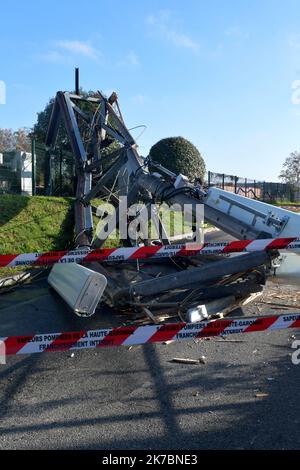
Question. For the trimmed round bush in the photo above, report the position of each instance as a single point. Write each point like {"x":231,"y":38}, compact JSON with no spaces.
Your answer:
{"x":180,"y":156}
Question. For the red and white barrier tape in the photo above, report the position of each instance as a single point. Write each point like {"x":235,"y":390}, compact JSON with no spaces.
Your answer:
{"x":143,"y":252}
{"x":134,"y":335}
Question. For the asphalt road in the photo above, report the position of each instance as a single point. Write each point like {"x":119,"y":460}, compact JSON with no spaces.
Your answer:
{"x":137,"y":399}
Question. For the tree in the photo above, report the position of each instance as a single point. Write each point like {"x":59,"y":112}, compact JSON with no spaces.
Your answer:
{"x":62,"y":142}
{"x":43,"y":117}
{"x":23,"y":139}
{"x":291,"y":169}
{"x":6,"y":140}
{"x":41,"y":126}
{"x":11,"y":140}
{"x":180,"y":156}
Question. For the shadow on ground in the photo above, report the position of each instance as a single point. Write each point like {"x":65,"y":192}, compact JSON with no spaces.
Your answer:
{"x":11,"y":206}
{"x":139,"y":400}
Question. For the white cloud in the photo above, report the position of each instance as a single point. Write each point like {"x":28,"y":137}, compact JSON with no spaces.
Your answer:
{"x":151,"y":19}
{"x":52,"y":56}
{"x":139,"y":98}
{"x":164,"y":25}
{"x":183,"y":40}
{"x":78,"y":48}
{"x":293,"y":52}
{"x":2,"y":92}
{"x":64,"y":51}
{"x":294,"y":41}
{"x":129,"y":59}
{"x":133,"y":58}
{"x":236,"y":32}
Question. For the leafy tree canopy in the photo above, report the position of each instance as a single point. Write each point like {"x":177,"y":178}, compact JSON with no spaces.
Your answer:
{"x":43,"y":117}
{"x":290,"y":172}
{"x":11,"y":140}
{"x":41,"y":126}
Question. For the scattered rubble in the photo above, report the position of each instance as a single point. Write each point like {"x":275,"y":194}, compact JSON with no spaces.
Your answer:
{"x":182,"y":360}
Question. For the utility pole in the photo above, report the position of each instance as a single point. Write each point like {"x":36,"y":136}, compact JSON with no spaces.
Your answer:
{"x":33,"y":167}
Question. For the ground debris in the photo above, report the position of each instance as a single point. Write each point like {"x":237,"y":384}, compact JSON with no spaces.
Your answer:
{"x":136,"y":346}
{"x":224,"y":340}
{"x":183,"y":360}
{"x":261,"y":395}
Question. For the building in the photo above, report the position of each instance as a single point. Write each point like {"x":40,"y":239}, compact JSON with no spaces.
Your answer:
{"x":16,"y":172}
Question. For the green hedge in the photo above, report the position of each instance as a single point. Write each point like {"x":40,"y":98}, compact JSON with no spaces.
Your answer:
{"x":180,"y":156}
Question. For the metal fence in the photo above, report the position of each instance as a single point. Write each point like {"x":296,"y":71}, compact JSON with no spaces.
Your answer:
{"x":263,"y":190}
{"x":55,"y":172}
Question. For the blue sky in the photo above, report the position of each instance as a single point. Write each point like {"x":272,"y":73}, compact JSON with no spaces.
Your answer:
{"x":220,"y":73}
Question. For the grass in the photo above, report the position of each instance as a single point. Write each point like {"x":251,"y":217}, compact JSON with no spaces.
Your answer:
{"x":291,"y":206}
{"x":113,"y":240}
{"x":38,"y":224}
{"x":285,"y":203}
{"x":173,"y":221}
{"x":29,"y":224}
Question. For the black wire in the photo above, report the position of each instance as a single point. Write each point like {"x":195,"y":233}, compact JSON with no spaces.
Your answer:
{"x":144,"y":164}
{"x":168,"y":195}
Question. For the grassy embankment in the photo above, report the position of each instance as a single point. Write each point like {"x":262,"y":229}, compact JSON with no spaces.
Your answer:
{"x":29,"y":224}
{"x":37,"y":224}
